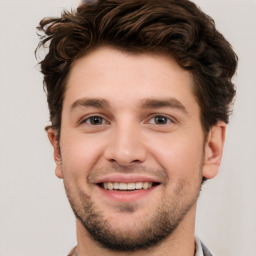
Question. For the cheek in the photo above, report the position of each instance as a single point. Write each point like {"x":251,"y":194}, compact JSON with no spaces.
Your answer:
{"x":179,"y":156}
{"x":79,"y":154}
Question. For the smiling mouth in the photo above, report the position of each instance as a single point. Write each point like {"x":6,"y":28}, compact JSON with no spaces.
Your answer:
{"x":131,"y":186}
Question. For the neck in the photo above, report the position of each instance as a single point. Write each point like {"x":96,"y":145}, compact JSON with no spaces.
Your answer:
{"x":180,"y":242}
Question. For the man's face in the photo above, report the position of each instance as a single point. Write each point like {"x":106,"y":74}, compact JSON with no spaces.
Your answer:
{"x":131,"y":147}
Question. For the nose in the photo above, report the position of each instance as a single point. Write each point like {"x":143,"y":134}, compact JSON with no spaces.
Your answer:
{"x":126,"y":146}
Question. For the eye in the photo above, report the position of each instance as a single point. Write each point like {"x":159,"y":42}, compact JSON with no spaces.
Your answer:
{"x":95,"y":120}
{"x":160,"y":120}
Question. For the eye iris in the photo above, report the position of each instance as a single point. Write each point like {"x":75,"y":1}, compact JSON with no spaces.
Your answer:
{"x":96,"y":120}
{"x":160,"y":120}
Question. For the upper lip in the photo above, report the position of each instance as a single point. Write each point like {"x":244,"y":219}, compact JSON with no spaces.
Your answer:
{"x":126,"y":178}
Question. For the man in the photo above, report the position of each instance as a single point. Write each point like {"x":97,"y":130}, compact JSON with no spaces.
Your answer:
{"x":139,"y":94}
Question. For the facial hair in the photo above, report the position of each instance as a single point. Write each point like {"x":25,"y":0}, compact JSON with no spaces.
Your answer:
{"x":162,"y":223}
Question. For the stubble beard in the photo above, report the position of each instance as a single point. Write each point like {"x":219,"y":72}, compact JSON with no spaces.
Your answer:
{"x":161,"y":224}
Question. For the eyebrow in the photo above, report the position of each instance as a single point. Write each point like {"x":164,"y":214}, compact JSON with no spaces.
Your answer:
{"x":146,"y":103}
{"x":90,"y":102}
{"x":159,"y":103}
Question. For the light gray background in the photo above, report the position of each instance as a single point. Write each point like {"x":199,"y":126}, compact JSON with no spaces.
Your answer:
{"x":35,"y":218}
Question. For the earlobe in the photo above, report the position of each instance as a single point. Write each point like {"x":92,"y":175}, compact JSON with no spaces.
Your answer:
{"x":54,"y":139}
{"x":213,"y":150}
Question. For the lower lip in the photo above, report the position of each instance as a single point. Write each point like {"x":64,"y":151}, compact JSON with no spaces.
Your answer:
{"x":127,"y":196}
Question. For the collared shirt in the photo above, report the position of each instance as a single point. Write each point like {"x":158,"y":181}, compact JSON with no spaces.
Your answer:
{"x":201,"y":250}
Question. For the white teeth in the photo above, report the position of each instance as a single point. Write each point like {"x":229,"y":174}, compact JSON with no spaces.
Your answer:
{"x":116,"y":185}
{"x":131,"y":186}
{"x":145,"y":185}
{"x":110,"y":185}
{"x":139,"y":185}
{"x":123,"y":186}
{"x":127,"y":186}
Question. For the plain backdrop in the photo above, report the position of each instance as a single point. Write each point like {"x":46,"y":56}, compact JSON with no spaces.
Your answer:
{"x":35,"y":217}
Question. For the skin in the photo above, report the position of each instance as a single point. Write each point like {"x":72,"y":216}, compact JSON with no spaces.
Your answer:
{"x":129,"y":94}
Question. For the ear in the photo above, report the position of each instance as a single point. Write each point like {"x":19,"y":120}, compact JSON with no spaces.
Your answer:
{"x":54,"y":139}
{"x":213,"y":150}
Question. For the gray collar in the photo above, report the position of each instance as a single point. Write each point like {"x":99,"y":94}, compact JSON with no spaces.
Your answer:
{"x":205,"y":250}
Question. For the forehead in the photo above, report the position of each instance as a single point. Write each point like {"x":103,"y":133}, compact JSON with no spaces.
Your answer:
{"x":122,"y":76}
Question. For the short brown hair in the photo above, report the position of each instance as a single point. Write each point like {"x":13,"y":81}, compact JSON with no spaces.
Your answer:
{"x":175,"y":27}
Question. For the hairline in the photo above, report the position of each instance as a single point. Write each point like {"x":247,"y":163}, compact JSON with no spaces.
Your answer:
{"x":131,"y":51}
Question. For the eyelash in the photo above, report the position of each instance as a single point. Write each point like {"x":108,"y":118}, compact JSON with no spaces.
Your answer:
{"x":90,"y":118}
{"x":167,"y":119}
{"x":164,"y":118}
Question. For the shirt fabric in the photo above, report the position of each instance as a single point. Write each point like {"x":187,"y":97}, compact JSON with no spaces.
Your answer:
{"x":201,"y":249}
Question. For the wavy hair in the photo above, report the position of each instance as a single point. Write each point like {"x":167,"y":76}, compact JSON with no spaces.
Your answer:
{"x":174,"y":27}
